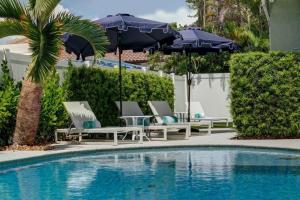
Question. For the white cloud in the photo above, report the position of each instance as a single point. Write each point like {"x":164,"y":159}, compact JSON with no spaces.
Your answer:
{"x":60,"y":8}
{"x":181,"y":16}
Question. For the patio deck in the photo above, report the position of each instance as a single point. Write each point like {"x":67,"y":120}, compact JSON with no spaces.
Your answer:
{"x":217,"y":139}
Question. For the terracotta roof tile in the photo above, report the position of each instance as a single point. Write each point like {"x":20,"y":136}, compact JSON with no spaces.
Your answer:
{"x":22,"y":40}
{"x":127,"y":56}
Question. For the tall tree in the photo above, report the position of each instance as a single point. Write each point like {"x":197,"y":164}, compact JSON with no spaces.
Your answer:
{"x":43,"y":27}
{"x":242,"y":20}
{"x":200,"y":7}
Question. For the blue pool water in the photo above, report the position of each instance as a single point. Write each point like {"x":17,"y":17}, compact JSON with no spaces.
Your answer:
{"x":197,"y":173}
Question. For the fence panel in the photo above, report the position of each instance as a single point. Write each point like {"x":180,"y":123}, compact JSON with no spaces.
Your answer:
{"x":211,"y":90}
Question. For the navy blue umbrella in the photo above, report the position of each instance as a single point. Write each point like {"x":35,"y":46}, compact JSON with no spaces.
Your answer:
{"x":125,"y":32}
{"x":194,"y":40}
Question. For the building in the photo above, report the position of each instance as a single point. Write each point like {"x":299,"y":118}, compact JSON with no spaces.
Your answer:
{"x":284,"y":25}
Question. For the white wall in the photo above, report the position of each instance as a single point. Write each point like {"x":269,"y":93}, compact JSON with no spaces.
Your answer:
{"x":211,"y":90}
{"x":18,"y":64}
{"x":17,"y":48}
{"x":180,"y":93}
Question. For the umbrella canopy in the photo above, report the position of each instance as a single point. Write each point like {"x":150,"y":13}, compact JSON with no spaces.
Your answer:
{"x":125,"y":32}
{"x":136,"y":33}
{"x":194,"y":40}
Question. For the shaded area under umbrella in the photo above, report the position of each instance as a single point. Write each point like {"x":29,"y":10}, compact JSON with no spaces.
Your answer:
{"x":194,"y":40}
{"x":125,"y":32}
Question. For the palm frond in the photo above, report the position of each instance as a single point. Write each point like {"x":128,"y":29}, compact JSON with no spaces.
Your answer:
{"x":45,"y":46}
{"x":86,"y":29}
{"x":32,"y":4}
{"x":44,"y":8}
{"x":10,"y":27}
{"x":11,"y":9}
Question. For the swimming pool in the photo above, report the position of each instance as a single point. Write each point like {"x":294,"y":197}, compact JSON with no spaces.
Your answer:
{"x":182,"y":173}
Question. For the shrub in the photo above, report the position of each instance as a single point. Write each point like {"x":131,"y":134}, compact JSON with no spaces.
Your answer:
{"x":100,"y":87}
{"x":9,"y":94}
{"x":265,"y":94}
{"x":53,"y":114}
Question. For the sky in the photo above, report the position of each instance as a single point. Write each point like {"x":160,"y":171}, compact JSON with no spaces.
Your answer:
{"x":159,"y":10}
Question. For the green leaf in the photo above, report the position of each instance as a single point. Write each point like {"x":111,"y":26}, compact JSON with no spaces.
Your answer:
{"x":11,"y":9}
{"x":10,"y":27}
{"x":43,"y":9}
{"x":45,"y":47}
{"x":31,"y":4}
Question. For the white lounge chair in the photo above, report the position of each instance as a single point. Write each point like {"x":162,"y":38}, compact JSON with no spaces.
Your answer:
{"x":162,"y":108}
{"x":197,"y":109}
{"x":81,"y":112}
{"x":132,"y":112}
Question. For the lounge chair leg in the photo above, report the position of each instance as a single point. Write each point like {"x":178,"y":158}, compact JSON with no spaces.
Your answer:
{"x":133,"y":135}
{"x":80,"y":137}
{"x":55,"y":137}
{"x":187,"y":133}
{"x":107,"y":136}
{"x":209,"y":129}
{"x":165,"y":134}
{"x":125,"y":136}
{"x":115,"y":138}
{"x":227,"y":123}
{"x":147,"y":138}
{"x":149,"y":135}
{"x":141,"y":136}
{"x":212,"y":124}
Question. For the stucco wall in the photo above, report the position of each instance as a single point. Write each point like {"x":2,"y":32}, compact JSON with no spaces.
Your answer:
{"x":211,"y":90}
{"x":285,"y":25}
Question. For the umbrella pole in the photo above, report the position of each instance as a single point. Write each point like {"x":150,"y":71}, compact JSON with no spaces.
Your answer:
{"x":189,"y":86}
{"x":120,"y":74}
{"x":120,"y":82}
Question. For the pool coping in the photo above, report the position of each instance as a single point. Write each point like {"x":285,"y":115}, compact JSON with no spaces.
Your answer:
{"x":67,"y":154}
{"x":222,"y":139}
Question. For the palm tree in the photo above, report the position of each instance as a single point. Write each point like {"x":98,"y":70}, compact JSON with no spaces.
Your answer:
{"x":44,"y":28}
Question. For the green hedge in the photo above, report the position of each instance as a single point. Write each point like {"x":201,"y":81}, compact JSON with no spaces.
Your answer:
{"x":53,"y":114}
{"x":100,"y":88}
{"x":265,"y":94}
{"x":9,"y":94}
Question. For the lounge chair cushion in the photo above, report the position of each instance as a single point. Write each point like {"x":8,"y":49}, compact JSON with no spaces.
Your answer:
{"x":169,"y":120}
{"x":199,"y":115}
{"x":90,"y":124}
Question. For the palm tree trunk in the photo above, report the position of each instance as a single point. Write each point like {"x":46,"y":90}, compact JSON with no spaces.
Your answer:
{"x":28,"y":115}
